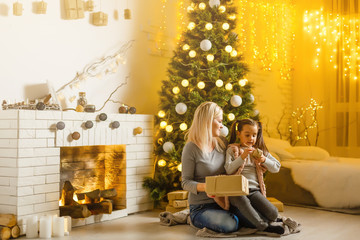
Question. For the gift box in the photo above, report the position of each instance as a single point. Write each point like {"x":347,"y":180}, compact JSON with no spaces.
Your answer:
{"x":177,"y":195}
{"x":172,"y":209}
{"x":100,"y":19}
{"x":17,"y":9}
{"x":74,"y":9}
{"x":41,"y":7}
{"x":279,"y":205}
{"x":227,"y":185}
{"x":180,"y":203}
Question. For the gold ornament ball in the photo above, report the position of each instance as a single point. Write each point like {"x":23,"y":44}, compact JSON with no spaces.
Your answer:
{"x":161,"y":163}
{"x":163,"y":124}
{"x":228,"y":86}
{"x":202,"y":6}
{"x":208,"y":26}
{"x":210,"y":57}
{"x":186,"y":47}
{"x":231,"y":116}
{"x":185,"y":83}
{"x":123,"y":109}
{"x":192,"y":54}
{"x":79,"y":108}
{"x":161,"y":114}
{"x":176,"y":90}
{"x":219,"y":83}
{"x":226,"y":26}
{"x":169,"y":128}
{"x":201,"y":85}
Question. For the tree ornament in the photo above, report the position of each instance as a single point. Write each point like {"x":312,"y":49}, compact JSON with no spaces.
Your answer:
{"x":214,"y":3}
{"x":102,"y":116}
{"x":169,"y":128}
{"x":205,"y":45}
{"x":219,"y":83}
{"x":132,"y":110}
{"x":168,"y":147}
{"x":252,"y":98}
{"x":236,"y":100}
{"x":161,"y":163}
{"x":123,"y":109}
{"x":40,"y":106}
{"x":161,"y":114}
{"x":89,"y":124}
{"x":75,"y":135}
{"x":60,"y":125}
{"x":231,"y":116}
{"x":79,"y":108}
{"x":181,"y":108}
{"x":115,"y":124}
{"x":224,"y":131}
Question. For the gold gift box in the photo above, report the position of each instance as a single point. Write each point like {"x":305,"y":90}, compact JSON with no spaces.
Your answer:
{"x":41,"y":7}
{"x":100,"y":19}
{"x":74,"y":9}
{"x":17,"y":9}
{"x":227,"y":185}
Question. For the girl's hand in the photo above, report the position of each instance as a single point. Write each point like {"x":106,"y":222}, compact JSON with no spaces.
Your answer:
{"x":235,"y":148}
{"x":246,"y":152}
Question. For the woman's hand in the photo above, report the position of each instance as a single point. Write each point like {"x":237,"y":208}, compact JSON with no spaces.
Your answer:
{"x":200,"y":187}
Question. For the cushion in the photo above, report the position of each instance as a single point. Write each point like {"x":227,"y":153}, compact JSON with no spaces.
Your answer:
{"x":279,"y":147}
{"x":309,"y":152}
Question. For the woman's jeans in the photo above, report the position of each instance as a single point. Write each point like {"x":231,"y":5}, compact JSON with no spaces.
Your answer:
{"x":213,"y":217}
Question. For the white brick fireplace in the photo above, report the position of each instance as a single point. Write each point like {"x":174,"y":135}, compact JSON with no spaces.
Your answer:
{"x":30,"y":159}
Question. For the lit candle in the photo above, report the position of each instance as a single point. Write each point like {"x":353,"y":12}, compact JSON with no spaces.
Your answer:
{"x":58,"y":226}
{"x":32,"y":227}
{"x":45,"y":227}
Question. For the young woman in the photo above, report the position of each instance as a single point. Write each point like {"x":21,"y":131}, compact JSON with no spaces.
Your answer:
{"x":204,"y":155}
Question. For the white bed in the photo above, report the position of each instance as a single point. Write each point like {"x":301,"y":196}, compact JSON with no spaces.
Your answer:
{"x":317,"y":178}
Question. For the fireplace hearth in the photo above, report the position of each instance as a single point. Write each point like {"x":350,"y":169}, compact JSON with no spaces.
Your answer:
{"x":31,"y":171}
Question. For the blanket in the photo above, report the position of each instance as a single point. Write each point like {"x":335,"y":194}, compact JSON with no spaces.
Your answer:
{"x":183,"y":217}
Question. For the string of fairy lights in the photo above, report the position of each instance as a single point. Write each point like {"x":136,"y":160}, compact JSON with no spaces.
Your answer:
{"x":337,"y":37}
{"x":304,"y":120}
{"x":266,"y":32}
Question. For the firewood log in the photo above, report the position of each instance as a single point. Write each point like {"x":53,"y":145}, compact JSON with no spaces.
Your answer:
{"x":15,"y":231}
{"x":68,"y":193}
{"x":105,"y":206}
{"x":7,"y":220}
{"x":75,"y":211}
{"x":108,"y":193}
{"x":5,"y":233}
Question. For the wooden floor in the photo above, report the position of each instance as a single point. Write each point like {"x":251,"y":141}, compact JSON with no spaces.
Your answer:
{"x":316,"y":225}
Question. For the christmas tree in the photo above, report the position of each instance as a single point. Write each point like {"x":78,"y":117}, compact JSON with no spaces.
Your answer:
{"x":206,"y":66}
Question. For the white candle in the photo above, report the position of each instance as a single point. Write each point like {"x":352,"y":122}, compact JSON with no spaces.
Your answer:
{"x":45,"y":227}
{"x":67,"y":223}
{"x":58,"y":226}
{"x":32,"y":227}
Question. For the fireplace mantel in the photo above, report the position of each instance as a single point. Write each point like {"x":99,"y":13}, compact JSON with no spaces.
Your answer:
{"x":30,"y":159}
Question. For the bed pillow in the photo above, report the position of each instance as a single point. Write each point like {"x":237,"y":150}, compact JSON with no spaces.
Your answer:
{"x":279,"y":147}
{"x":309,"y":152}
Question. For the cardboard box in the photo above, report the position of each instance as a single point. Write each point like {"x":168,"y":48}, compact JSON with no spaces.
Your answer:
{"x":173,"y":210}
{"x":279,"y":205}
{"x":227,"y":185}
{"x":180,"y":203}
{"x":178,"y":195}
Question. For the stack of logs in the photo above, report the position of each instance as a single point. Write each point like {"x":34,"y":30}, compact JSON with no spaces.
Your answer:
{"x":8,"y":227}
{"x":97,"y":202}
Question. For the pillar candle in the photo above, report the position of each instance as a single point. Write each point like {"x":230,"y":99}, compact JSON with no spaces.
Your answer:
{"x":67,"y":223}
{"x":32,"y":227}
{"x":45,"y":226}
{"x":58,"y":227}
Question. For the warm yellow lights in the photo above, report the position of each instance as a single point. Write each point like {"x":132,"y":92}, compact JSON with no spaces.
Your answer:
{"x":231,"y":116}
{"x":186,"y":47}
{"x":229,"y":86}
{"x":161,"y":114}
{"x":232,"y":17}
{"x":201,"y":85}
{"x":169,"y":128}
{"x":202,"y":6}
{"x":192,"y":54}
{"x":242,"y":82}
{"x":219,"y":83}
{"x":183,"y":126}
{"x":191,"y":25}
{"x":161,"y":163}
{"x":185,"y":83}
{"x":228,"y":48}
{"x":233,"y":53}
{"x":176,"y":90}
{"x":163,"y":124}
{"x":225,"y":26}
{"x":190,"y":9}
{"x":210,"y":57}
{"x":208,"y":26}
{"x":179,"y":167}
{"x":222,"y":9}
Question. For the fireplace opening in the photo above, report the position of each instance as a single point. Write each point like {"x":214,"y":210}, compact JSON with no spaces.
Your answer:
{"x":92,"y":180}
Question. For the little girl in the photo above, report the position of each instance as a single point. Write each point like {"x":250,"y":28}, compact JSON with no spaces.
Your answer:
{"x":251,"y":159}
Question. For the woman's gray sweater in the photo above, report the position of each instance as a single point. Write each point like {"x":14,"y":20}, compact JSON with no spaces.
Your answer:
{"x":197,"y":165}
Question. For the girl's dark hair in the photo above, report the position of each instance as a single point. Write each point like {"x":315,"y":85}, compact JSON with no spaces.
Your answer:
{"x":238,"y":125}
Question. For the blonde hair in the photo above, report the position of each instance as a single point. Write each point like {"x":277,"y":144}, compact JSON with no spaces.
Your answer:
{"x":200,"y":131}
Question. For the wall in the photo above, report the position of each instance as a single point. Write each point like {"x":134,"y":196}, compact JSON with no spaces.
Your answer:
{"x":38,"y":48}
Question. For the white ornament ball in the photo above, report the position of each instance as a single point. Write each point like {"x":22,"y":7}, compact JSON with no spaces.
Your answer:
{"x":168,"y":147}
{"x":224,"y":131}
{"x":214,"y":3}
{"x":181,"y":108}
{"x":236,"y":100}
{"x":252,"y":98}
{"x":205,"y":45}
